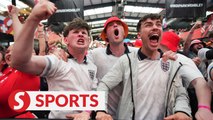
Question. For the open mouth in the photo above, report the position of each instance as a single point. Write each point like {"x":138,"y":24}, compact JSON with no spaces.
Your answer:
{"x":199,"y":48}
{"x":81,"y":41}
{"x":154,"y":37}
{"x":116,"y":32}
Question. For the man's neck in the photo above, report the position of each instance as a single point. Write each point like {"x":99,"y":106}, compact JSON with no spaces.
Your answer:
{"x":153,"y":55}
{"x":117,"y":49}
{"x":78,"y":55}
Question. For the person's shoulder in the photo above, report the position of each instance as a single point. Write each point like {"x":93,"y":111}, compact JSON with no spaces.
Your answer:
{"x":55,"y":61}
{"x":131,"y":55}
{"x":90,"y":62}
{"x":132,"y":48}
{"x":100,"y":49}
{"x":184,"y":60}
{"x":182,"y":57}
{"x":97,"y":52}
{"x":52,"y":57}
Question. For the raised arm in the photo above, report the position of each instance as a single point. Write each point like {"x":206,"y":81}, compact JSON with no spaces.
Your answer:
{"x":41,"y":39}
{"x":17,"y":25}
{"x":188,"y":40}
{"x":22,"y":58}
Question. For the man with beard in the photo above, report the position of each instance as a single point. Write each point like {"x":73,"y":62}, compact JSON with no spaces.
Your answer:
{"x":192,"y":53}
{"x":152,"y":87}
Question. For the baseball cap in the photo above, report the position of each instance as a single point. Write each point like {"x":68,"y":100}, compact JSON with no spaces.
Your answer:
{"x":112,"y":19}
{"x":196,"y":41}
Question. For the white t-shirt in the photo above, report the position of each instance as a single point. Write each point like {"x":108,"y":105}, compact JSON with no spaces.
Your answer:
{"x":104,"y":63}
{"x":68,"y":76}
{"x":188,"y":71}
{"x":151,"y":89}
{"x":152,"y":84}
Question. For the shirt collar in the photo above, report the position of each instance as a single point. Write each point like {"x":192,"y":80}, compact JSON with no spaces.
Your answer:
{"x":109,"y":52}
{"x":71,"y":57}
{"x":142,"y":56}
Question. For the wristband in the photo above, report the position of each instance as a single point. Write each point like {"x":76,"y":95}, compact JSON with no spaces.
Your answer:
{"x":204,"y":106}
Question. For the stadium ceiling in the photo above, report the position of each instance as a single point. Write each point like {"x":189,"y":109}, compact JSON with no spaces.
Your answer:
{"x":96,"y":12}
{"x":130,"y":11}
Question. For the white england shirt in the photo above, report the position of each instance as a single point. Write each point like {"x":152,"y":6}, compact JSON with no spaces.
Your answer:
{"x":151,"y":89}
{"x":68,"y":76}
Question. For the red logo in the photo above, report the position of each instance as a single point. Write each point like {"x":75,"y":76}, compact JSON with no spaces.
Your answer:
{"x":19,"y":100}
{"x":56,"y":100}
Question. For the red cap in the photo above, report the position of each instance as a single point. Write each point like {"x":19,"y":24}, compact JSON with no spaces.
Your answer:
{"x":138,"y":43}
{"x":112,"y":19}
{"x":170,"y":40}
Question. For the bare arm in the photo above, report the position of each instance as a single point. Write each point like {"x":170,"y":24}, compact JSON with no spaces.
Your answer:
{"x":41,"y":39}
{"x":189,"y":37}
{"x":17,"y":25}
{"x":24,"y":60}
{"x":203,"y":93}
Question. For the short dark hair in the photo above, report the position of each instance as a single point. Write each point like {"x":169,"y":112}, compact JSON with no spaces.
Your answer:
{"x":77,"y":23}
{"x":57,"y":27}
{"x":144,"y":18}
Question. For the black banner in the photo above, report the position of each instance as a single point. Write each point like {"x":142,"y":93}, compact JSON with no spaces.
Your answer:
{"x":67,"y":10}
{"x":185,"y":8}
{"x":210,"y":5}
